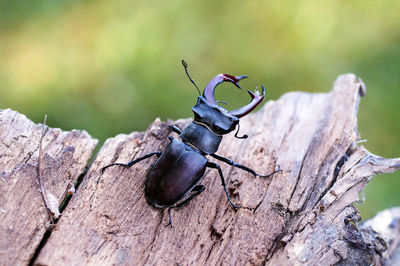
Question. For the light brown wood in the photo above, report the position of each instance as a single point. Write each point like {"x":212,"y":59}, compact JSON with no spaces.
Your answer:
{"x":301,"y":216}
{"x":23,"y":215}
{"x":304,"y":215}
{"x":385,"y":227}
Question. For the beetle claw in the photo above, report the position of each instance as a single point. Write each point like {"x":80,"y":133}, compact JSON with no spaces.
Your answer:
{"x":256,"y":94}
{"x":252,"y":94}
{"x":210,"y":88}
{"x":233,"y":204}
{"x":235,"y":79}
{"x":274,"y":172}
{"x":263,"y":89}
{"x":237,"y":206}
{"x":169,"y":224}
{"x":169,"y":218}
{"x":256,"y":99}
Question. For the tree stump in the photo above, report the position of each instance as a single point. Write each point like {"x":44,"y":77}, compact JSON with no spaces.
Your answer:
{"x":304,"y":215}
{"x":23,"y":215}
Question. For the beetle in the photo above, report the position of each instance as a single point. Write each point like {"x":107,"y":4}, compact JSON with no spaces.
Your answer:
{"x":174,"y":178}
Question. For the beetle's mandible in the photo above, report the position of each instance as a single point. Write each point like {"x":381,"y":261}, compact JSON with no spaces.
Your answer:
{"x":174,"y":178}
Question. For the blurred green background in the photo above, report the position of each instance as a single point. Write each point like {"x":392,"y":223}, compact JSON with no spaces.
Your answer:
{"x":111,"y":67}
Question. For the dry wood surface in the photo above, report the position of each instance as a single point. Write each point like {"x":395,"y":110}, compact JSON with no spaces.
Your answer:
{"x":304,"y":215}
{"x":24,"y":218}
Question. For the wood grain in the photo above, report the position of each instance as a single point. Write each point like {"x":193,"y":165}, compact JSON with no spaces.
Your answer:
{"x":23,"y":215}
{"x":304,"y":215}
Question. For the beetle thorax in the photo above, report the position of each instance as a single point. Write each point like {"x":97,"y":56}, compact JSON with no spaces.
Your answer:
{"x":210,"y":123}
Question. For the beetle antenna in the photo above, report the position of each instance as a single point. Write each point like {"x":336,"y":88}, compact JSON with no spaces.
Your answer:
{"x":217,"y":102}
{"x":185,"y":65}
{"x":237,"y":131}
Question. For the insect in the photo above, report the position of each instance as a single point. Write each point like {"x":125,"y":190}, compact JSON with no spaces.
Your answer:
{"x":174,"y":178}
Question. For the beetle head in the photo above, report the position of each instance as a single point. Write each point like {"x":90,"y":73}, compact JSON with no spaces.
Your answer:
{"x":208,"y":113}
{"x":216,"y":118}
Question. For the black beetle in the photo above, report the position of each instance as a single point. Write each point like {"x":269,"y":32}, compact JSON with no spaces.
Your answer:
{"x":180,"y":168}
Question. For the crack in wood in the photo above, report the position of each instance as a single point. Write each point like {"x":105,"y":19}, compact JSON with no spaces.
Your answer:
{"x":280,"y":224}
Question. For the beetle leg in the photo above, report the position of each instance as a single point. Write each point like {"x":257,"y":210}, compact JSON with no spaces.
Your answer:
{"x":216,"y":166}
{"x":197,"y":190}
{"x":129,"y":164}
{"x":230,"y":162}
{"x":176,"y":129}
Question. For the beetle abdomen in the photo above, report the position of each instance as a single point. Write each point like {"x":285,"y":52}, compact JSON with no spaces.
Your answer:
{"x":174,"y":174}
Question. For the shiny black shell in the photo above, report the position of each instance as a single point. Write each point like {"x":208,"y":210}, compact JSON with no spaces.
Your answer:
{"x":179,"y":168}
{"x":216,"y":118}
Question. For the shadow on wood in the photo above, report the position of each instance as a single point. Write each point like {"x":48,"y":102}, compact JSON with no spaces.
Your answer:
{"x":303,"y":215}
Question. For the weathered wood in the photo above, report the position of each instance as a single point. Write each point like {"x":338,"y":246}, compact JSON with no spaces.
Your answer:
{"x":23,"y":216}
{"x":387,"y":224}
{"x":303,"y":215}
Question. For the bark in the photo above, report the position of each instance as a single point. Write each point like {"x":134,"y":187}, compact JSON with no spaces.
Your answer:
{"x":24,"y":218}
{"x":302,"y":215}
{"x":385,"y":228}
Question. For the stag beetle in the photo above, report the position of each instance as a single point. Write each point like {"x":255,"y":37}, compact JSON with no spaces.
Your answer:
{"x":179,"y":169}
